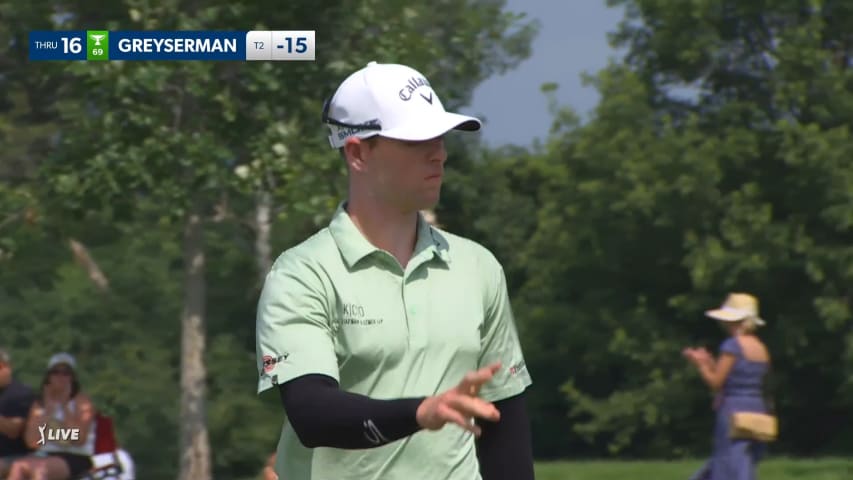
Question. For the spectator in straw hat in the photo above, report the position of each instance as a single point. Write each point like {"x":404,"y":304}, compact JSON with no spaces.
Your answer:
{"x":736,"y":376}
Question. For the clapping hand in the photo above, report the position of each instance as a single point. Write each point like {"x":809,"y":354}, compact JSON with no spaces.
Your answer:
{"x":697,"y":356}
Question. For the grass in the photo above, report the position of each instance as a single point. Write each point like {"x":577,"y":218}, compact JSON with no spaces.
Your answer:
{"x":772,"y":469}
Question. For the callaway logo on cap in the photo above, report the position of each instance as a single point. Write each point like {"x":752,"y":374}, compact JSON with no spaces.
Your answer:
{"x":391,"y":100}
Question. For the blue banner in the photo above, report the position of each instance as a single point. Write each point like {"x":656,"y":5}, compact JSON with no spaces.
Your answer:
{"x":57,"y":45}
{"x":179,"y":45}
{"x":104,"y":45}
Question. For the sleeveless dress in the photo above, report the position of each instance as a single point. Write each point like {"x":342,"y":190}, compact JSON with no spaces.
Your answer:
{"x":742,"y":392}
{"x":78,"y":457}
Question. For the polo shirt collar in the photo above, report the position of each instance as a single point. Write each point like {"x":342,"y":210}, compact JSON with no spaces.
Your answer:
{"x":430,"y":242}
{"x":354,"y":246}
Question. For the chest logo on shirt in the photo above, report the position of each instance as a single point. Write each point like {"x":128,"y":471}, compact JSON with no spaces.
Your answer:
{"x":355,"y":314}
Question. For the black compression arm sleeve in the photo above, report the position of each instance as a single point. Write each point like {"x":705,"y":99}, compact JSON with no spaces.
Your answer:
{"x":323,"y":415}
{"x":504,"y":449}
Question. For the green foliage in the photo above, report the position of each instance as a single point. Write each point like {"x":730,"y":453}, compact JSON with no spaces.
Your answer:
{"x":717,"y":160}
{"x":662,"y":203}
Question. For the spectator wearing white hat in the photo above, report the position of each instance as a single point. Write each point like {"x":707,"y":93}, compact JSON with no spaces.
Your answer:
{"x":60,"y":406}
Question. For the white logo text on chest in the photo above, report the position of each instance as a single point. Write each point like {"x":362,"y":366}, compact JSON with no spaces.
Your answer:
{"x":354,"y":314}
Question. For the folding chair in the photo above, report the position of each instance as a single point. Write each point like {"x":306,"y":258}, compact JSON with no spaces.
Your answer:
{"x":106,"y":464}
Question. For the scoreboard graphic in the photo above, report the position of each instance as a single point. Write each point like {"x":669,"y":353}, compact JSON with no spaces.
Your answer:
{"x":103,"y":45}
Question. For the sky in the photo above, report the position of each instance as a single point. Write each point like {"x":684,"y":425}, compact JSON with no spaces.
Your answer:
{"x":572,"y":39}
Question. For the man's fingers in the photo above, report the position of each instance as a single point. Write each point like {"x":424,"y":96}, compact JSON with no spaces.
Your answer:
{"x":494,"y":367}
{"x":474,"y":407}
{"x":470,"y":385}
{"x":461,"y":404}
{"x":454,"y":416}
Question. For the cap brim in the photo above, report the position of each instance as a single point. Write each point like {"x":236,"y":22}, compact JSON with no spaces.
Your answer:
{"x":434,"y":126}
{"x":724,"y":315}
{"x":62,"y":358}
{"x":730,"y":316}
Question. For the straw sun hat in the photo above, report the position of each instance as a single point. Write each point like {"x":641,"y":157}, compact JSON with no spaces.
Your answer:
{"x":737,"y":307}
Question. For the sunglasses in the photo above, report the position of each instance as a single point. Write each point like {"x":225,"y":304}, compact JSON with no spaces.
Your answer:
{"x":374,"y":125}
{"x":60,"y":371}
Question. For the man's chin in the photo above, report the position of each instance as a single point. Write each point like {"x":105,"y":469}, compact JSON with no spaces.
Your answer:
{"x":416,"y":203}
{"x":428,"y":205}
{"x":430,"y":199}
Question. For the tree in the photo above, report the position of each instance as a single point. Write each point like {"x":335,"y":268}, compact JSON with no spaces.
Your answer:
{"x":773,"y":82}
{"x":665,"y":201}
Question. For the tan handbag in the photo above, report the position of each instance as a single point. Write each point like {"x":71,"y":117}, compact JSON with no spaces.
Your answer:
{"x":754,"y":426}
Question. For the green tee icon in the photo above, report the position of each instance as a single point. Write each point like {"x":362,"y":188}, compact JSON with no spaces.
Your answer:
{"x":97,"y":45}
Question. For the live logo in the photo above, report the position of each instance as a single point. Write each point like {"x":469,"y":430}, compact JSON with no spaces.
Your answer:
{"x":63,"y":434}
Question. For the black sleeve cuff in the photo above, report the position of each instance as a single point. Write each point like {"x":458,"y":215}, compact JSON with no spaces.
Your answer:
{"x":323,"y":415}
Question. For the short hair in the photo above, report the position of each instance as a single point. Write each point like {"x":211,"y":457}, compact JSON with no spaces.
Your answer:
{"x":5,"y":357}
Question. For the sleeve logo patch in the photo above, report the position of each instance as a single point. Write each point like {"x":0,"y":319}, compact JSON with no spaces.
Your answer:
{"x":517,"y":368}
{"x":269,"y":361}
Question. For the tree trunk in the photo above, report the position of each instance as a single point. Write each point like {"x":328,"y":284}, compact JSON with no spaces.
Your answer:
{"x":263,"y":226}
{"x":195,"y":444}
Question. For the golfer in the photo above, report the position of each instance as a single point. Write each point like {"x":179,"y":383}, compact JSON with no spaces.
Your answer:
{"x":392,"y":343}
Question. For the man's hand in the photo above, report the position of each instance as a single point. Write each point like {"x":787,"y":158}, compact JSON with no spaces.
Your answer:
{"x":39,"y":411}
{"x":460,"y":405}
{"x":269,"y":474}
{"x":269,"y":469}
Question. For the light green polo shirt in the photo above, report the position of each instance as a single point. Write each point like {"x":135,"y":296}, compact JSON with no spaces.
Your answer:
{"x":336,"y":305}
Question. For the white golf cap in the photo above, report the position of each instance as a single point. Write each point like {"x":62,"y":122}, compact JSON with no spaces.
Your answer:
{"x":62,"y":357}
{"x":390,"y":100}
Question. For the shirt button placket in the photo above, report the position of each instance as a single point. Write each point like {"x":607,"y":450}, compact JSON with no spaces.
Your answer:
{"x":411,"y":301}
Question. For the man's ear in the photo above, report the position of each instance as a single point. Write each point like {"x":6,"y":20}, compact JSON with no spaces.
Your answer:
{"x":355,"y":151}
